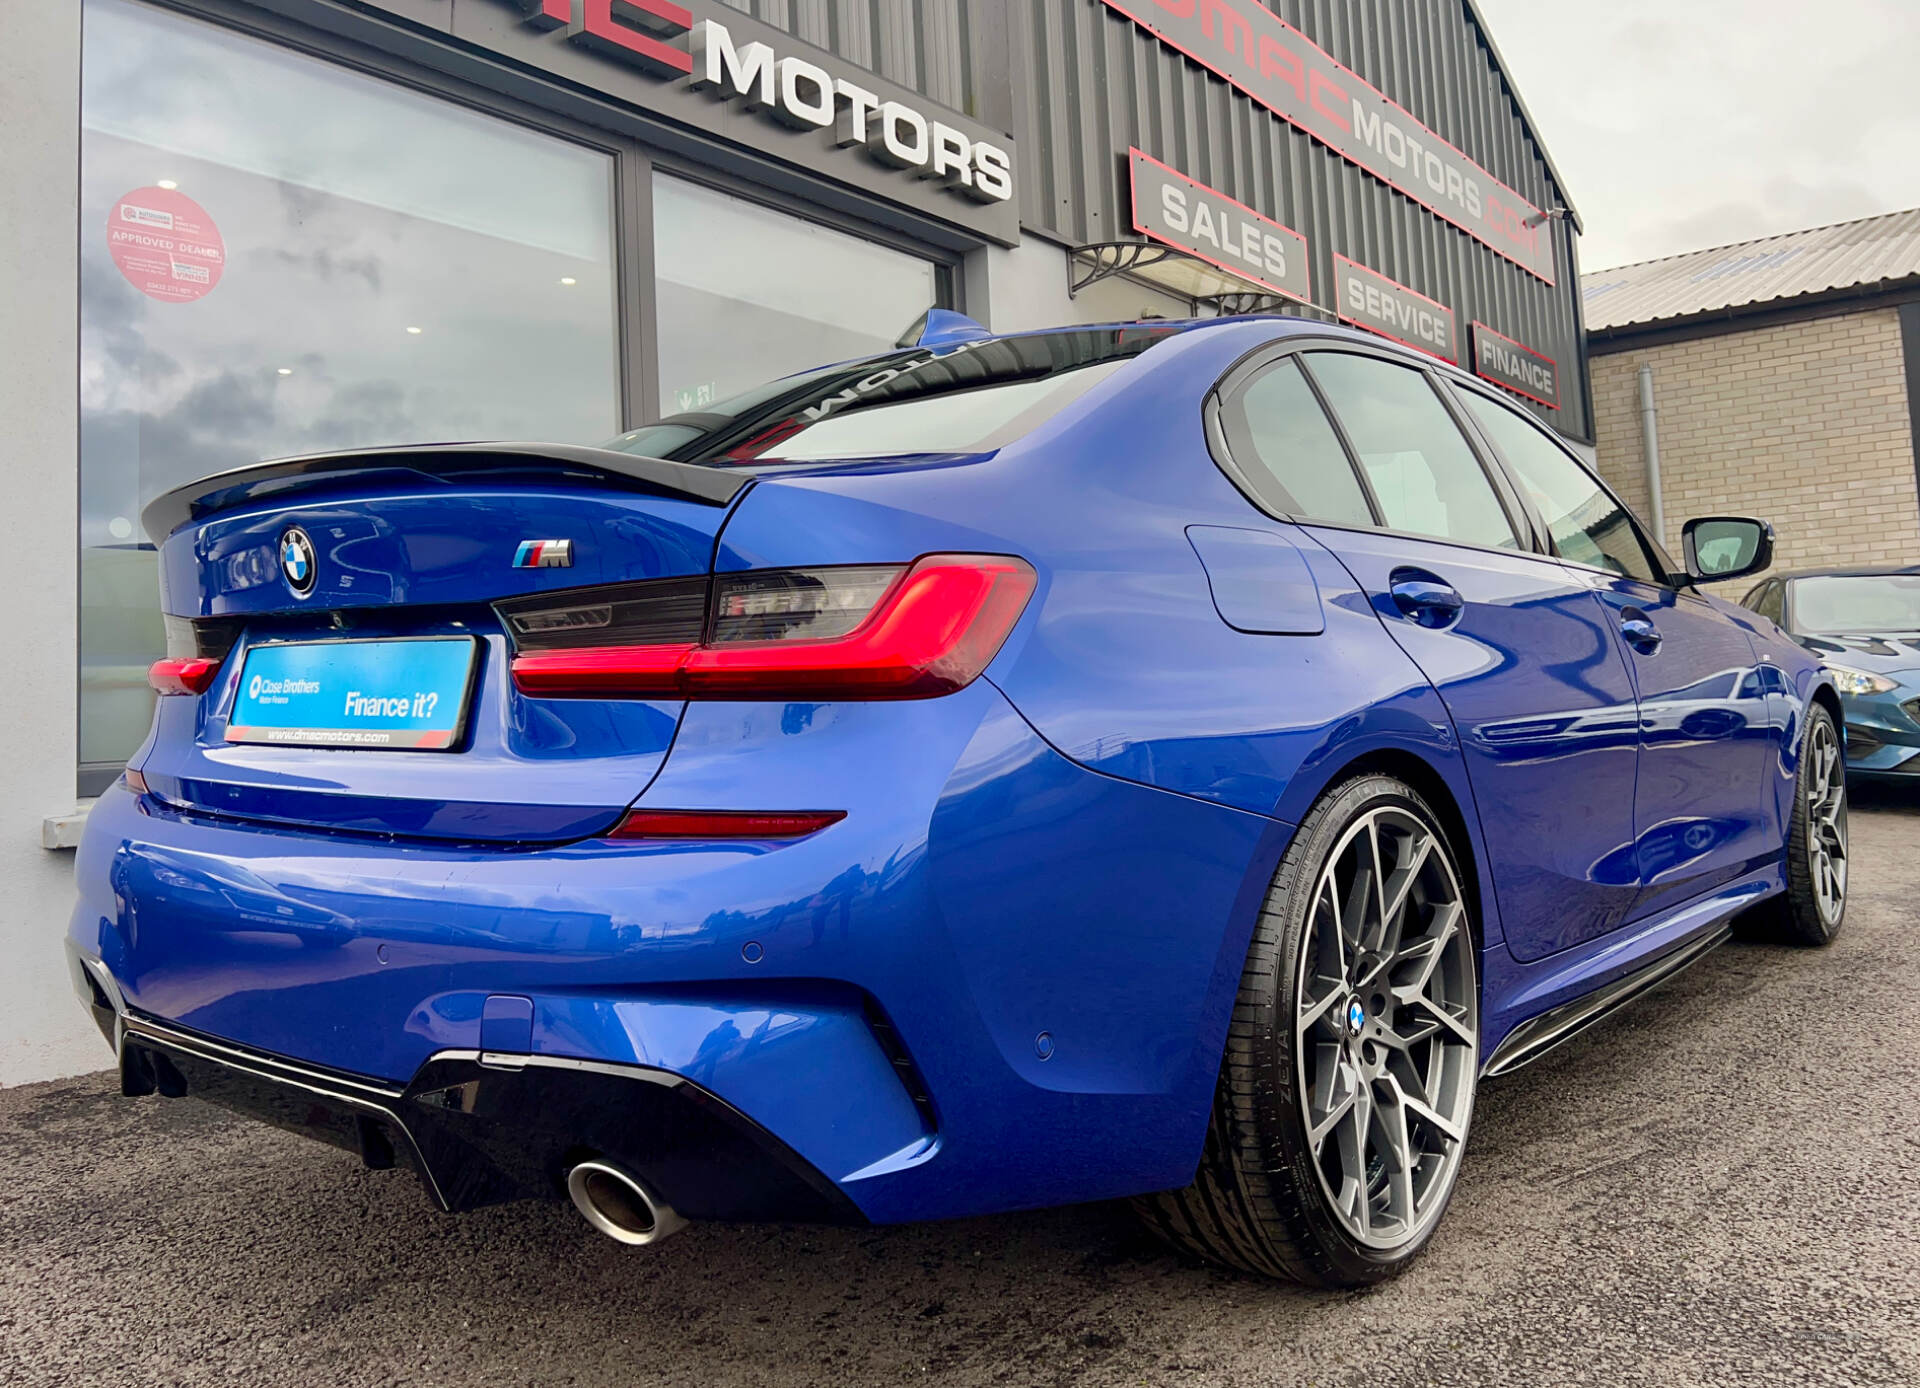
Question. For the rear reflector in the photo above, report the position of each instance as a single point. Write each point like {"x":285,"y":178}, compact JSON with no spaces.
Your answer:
{"x":190,"y":674}
{"x":724,"y":824}
{"x":848,"y":633}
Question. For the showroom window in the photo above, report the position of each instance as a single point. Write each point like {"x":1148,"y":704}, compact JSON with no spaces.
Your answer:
{"x":733,"y":310}
{"x":281,"y":255}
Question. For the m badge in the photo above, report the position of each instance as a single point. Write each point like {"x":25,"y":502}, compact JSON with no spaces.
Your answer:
{"x":544,"y":554}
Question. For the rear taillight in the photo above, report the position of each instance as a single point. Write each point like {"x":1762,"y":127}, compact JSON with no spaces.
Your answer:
{"x":860,"y":632}
{"x":195,"y":649}
{"x":182,"y":674}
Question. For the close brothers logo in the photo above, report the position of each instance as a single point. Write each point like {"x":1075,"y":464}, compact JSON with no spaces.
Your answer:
{"x":663,"y":39}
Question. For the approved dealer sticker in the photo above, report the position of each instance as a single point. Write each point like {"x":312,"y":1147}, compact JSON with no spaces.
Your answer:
{"x":166,"y":245}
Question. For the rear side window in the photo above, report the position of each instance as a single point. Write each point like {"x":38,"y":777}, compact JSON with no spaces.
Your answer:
{"x":1588,"y":526}
{"x":1421,"y":468}
{"x":1290,"y":451}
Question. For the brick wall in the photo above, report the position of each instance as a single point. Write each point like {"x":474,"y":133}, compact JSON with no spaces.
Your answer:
{"x":1805,"y":425}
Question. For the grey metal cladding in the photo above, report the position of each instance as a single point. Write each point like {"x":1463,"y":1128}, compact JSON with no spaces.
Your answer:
{"x":1096,"y":83}
{"x":921,"y":44}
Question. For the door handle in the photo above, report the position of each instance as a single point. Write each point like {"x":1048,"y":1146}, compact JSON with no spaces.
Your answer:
{"x":1425,"y":599}
{"x":1640,"y":631}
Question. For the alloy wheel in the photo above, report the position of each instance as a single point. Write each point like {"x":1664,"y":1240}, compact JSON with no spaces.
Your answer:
{"x":1826,"y":792}
{"x":1386,"y":1031}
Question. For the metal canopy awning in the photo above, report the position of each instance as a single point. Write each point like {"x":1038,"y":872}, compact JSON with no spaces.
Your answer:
{"x":1200,"y":282}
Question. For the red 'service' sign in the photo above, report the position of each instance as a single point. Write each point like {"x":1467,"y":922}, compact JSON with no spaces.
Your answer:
{"x":166,"y":245}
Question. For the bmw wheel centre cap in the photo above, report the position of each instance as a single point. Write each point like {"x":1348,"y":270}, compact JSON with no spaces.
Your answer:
{"x":1356,"y":1016}
{"x":297,"y":560}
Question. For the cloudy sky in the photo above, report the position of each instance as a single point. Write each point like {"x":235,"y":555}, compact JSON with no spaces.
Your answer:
{"x":1680,"y":124}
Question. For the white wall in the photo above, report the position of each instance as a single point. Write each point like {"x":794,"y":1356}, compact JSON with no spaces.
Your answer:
{"x":44,"y":1032}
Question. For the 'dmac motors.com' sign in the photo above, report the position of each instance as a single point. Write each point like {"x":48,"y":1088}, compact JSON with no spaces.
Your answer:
{"x":1279,"y":67}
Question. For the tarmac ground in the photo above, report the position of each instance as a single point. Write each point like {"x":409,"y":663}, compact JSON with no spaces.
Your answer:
{"x":1717,"y":1186}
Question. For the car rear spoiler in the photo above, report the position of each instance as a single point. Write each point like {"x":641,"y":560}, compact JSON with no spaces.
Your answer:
{"x":442,"y":462}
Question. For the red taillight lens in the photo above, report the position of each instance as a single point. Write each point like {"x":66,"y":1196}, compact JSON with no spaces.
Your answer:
{"x":724,"y":824}
{"x":189,"y":674}
{"x":853,"y":633}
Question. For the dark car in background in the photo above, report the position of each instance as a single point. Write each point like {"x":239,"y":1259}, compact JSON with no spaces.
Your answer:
{"x":1865,"y":625}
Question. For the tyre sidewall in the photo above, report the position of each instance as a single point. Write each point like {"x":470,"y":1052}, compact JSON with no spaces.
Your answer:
{"x":1809,"y":921}
{"x":1279,"y":1117}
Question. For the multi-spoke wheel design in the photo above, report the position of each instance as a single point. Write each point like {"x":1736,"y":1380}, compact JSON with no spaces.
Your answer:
{"x":1346,"y":1086}
{"x":1386,"y":1027}
{"x":1825,"y":789}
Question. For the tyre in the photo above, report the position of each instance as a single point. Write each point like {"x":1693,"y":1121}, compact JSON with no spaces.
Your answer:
{"x":1348,"y":1081}
{"x":1814,"y":905}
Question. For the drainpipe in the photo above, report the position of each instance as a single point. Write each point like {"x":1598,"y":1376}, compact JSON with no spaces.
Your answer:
{"x":1650,"y":447}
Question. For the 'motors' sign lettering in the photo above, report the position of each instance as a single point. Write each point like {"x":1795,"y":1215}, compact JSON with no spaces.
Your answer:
{"x":1283,"y":70}
{"x":662,"y":38}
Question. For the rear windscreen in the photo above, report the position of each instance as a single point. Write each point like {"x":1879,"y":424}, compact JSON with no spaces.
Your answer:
{"x":968,"y":398}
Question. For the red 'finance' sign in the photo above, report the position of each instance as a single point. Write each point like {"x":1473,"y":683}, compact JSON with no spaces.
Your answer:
{"x":165,"y":244}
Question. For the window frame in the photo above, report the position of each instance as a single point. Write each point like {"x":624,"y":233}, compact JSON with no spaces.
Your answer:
{"x":1528,"y":532}
{"x":1665,"y":577}
{"x":1239,"y":442}
{"x":1762,"y":593}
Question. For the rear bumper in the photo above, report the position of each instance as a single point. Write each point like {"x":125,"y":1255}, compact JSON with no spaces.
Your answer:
{"x":480,"y":1131}
{"x":872,"y":999}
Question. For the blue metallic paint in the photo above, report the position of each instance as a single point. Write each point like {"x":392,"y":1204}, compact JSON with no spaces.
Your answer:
{"x":1259,"y":580}
{"x":1075,"y":845}
{"x":1539,"y":694}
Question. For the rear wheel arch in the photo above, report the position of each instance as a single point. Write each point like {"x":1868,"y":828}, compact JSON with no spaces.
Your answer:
{"x":1435,"y":789}
{"x":1259,"y":1200}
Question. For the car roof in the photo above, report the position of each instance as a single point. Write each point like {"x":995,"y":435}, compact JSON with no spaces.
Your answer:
{"x":1285,"y":324}
{"x":1857,"y":571}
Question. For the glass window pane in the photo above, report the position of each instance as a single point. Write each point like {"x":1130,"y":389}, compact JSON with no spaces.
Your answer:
{"x":1419,"y":463}
{"x":1773,"y":605}
{"x":965,"y":421}
{"x":1296,"y":449}
{"x":964,"y":398}
{"x":1587,"y":525}
{"x":733,"y":313}
{"x":351,"y":263}
{"x":1857,"y":605}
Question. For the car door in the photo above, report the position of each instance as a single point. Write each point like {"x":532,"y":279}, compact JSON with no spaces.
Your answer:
{"x":1705,"y":732}
{"x":1516,"y":646}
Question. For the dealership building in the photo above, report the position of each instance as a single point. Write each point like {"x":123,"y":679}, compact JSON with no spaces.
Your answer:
{"x":250,"y":228}
{"x":1778,"y":378}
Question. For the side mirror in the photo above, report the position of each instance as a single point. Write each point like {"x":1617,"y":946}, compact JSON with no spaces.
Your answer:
{"x":1722,"y":547}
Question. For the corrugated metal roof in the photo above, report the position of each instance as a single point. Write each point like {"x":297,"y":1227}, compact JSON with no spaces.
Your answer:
{"x":1849,"y":255}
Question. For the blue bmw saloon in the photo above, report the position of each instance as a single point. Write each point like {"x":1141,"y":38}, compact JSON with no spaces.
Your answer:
{"x":1167,"y":761}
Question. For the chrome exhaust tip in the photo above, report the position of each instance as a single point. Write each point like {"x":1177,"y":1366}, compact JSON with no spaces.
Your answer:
{"x":619,"y":1205}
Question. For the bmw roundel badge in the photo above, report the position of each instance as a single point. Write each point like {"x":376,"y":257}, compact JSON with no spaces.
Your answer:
{"x":297,"y":560}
